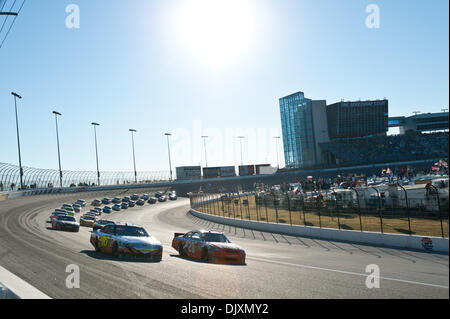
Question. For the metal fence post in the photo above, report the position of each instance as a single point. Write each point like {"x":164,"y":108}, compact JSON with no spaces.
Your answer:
{"x":337,"y":209}
{"x":359,"y":208}
{"x":379,"y":208}
{"x":240,"y":206}
{"x":303,"y":209}
{"x":407,"y":208}
{"x":265,"y":205}
{"x":257,"y":207}
{"x":439,"y":209}
{"x":318,"y":209}
{"x":289,"y":207}
{"x":248,"y":207}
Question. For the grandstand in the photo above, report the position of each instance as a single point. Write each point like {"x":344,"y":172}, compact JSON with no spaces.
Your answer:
{"x":384,"y":149}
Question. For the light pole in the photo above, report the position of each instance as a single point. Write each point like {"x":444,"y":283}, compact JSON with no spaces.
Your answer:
{"x":240,"y":140}
{"x":96,"y":151}
{"x":204,"y":145}
{"x":276,"y":139}
{"x":168,"y":147}
{"x":57,"y":144}
{"x":17,"y":96}
{"x":134,"y":157}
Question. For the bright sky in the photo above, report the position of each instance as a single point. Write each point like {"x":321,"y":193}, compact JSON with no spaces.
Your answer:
{"x":205,"y":67}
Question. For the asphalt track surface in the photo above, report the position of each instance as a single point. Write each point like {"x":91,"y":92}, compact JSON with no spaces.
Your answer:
{"x":280,"y":267}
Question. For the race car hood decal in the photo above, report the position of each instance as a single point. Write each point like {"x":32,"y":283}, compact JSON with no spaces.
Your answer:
{"x":140,"y":240}
{"x":225,"y":246}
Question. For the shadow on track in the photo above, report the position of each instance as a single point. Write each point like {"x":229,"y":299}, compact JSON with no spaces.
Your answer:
{"x":203,"y":262}
{"x":101,"y":256}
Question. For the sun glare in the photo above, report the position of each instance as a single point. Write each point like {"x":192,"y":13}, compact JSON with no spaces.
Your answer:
{"x":216,"y":31}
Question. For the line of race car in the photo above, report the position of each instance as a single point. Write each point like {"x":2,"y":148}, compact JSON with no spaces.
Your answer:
{"x":121,"y":239}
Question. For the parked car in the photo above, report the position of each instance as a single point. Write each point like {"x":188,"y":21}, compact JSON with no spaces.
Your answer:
{"x":152,"y":200}
{"x":116,"y":208}
{"x":116,"y":200}
{"x":107,"y":209}
{"x":134,"y":197}
{"x":162,"y":198}
{"x":124,"y":205}
{"x":131,"y":203}
{"x":106,"y":201}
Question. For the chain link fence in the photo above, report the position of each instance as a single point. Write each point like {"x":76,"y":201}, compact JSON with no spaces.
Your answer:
{"x":363,"y":209}
{"x":35,"y":178}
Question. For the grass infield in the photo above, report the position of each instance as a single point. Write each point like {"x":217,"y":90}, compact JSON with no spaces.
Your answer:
{"x":396,"y":223}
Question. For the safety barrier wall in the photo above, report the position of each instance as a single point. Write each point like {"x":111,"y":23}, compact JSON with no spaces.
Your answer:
{"x":429,"y":243}
{"x":5,"y":293}
{"x":13,"y":287}
{"x":371,"y":238}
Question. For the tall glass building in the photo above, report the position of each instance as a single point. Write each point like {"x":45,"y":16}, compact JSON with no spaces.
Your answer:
{"x":303,"y":123}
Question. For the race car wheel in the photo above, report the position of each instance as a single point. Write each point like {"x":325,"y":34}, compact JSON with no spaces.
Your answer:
{"x":181,"y":250}
{"x":115,"y":250}
{"x":96,"y":245}
{"x":205,"y":255}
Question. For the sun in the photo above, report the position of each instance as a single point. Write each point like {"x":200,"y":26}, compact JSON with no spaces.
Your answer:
{"x":216,"y":31}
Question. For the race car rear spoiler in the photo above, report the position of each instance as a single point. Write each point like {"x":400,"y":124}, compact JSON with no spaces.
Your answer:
{"x":178,"y":234}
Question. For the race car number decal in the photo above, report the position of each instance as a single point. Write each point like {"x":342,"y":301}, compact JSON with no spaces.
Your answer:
{"x":104,"y":241}
{"x":191,"y":247}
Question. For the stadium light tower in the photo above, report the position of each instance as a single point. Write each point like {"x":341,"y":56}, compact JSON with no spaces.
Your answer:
{"x":134,"y":156}
{"x":204,"y":145}
{"x":96,"y":151}
{"x":57,"y":144}
{"x":168,"y":147}
{"x":17,"y":96}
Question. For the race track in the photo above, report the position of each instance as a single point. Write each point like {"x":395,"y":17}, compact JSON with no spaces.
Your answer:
{"x":277,"y":266}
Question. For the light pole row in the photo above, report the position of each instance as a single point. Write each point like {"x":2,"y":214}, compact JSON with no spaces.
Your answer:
{"x":95,"y":125}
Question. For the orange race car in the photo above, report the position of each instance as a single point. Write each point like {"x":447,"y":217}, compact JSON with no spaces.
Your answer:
{"x":213,"y":247}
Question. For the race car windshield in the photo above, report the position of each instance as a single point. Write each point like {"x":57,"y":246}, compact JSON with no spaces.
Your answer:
{"x":215,"y":238}
{"x":131,"y":231}
{"x":67,"y":218}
